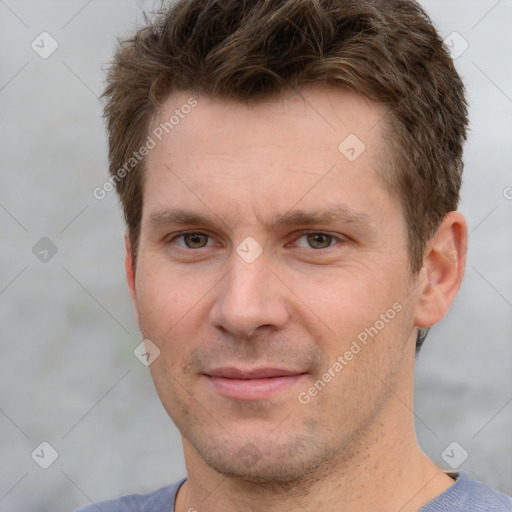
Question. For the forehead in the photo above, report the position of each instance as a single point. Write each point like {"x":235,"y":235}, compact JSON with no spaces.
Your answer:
{"x":295,"y":148}
{"x":310,"y":110}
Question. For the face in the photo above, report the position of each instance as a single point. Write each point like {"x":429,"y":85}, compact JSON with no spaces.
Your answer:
{"x":273,"y":276}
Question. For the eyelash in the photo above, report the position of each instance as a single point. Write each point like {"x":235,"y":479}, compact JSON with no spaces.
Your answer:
{"x":334,"y":239}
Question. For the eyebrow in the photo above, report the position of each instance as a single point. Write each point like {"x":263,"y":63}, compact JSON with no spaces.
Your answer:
{"x":178,"y":217}
{"x":339,"y":214}
{"x":330,"y":215}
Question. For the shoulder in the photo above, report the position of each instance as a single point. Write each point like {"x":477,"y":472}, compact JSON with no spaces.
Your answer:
{"x":466,"y":495}
{"x":161,"y":500}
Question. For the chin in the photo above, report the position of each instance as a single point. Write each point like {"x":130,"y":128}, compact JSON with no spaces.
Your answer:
{"x":262,"y":461}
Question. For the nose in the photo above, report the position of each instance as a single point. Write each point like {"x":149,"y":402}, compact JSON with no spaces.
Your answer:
{"x":248,"y":298}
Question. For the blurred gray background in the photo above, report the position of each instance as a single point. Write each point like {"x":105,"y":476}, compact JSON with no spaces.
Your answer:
{"x":68,"y":374}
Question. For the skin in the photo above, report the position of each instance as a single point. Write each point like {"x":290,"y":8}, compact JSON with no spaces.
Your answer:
{"x":299,"y":305}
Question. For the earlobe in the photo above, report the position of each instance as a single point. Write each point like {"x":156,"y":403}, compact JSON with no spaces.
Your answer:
{"x":130,"y":274}
{"x":443,"y":270}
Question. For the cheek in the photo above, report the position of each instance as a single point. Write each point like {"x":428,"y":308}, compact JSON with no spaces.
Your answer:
{"x":346,"y":302}
{"x":162,"y":300}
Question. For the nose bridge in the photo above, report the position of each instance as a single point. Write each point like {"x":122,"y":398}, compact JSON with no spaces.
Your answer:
{"x":247,"y":279}
{"x":249,"y":297}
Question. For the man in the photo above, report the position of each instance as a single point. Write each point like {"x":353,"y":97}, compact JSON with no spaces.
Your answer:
{"x":289,"y":173}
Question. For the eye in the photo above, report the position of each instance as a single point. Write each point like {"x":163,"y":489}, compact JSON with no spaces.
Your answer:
{"x":192,"y":240}
{"x":316,"y":240}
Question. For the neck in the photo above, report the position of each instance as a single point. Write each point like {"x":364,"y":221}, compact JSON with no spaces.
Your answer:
{"x":385,"y":470}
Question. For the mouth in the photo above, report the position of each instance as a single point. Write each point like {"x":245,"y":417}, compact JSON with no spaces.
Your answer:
{"x":253,"y":384}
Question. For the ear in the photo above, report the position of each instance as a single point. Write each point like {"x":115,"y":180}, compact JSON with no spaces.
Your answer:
{"x":444,"y":262}
{"x":130,"y":274}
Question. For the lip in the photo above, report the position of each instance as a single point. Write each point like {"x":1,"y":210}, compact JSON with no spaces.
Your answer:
{"x":254,"y":384}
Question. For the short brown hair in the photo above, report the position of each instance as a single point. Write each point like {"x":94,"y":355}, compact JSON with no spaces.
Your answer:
{"x":386,"y":50}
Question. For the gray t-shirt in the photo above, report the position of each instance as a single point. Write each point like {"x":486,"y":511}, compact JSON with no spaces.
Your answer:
{"x":464,"y":495}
